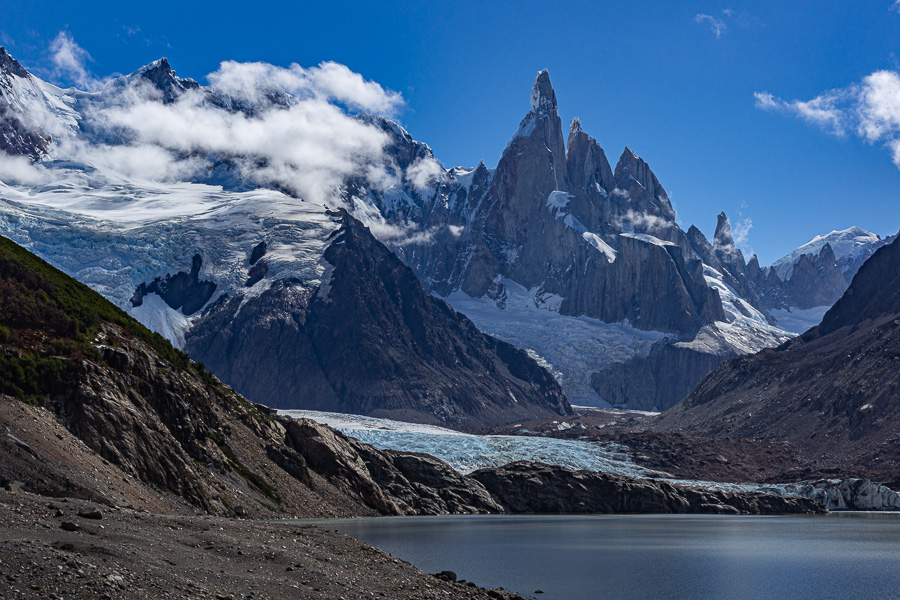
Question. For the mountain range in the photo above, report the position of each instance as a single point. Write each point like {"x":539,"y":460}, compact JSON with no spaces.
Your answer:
{"x":579,"y":267}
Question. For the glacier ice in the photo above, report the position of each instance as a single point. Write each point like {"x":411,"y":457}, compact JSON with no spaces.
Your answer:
{"x":467,"y":452}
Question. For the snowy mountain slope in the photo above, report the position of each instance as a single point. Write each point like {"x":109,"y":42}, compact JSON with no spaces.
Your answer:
{"x":571,"y":347}
{"x":848,"y":245}
{"x":799,"y":287}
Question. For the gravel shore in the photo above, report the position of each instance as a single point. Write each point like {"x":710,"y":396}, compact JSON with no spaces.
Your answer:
{"x":58,"y":548}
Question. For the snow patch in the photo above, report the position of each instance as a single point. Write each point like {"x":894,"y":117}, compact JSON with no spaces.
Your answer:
{"x":158,"y":316}
{"x":648,"y":239}
{"x":597,"y":242}
{"x":798,"y":320}
{"x":558,"y":200}
{"x":573,"y":347}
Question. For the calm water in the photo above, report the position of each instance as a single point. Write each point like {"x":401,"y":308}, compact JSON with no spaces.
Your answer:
{"x":652,"y":556}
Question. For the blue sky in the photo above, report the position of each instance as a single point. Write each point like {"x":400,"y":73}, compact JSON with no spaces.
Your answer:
{"x":703,"y":91}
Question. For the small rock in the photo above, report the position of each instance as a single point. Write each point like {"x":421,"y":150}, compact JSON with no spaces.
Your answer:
{"x":93,"y":513}
{"x":69,"y":526}
{"x":446,"y":576}
{"x":13,"y":486}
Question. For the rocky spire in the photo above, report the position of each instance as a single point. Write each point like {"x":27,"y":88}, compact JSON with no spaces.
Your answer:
{"x":725,"y":248}
{"x":723,"y":236}
{"x":633,"y":175}
{"x":543,"y":98}
{"x":585,"y":160}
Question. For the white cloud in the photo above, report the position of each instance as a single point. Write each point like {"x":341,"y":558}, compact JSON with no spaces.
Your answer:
{"x":329,"y":82}
{"x":297,"y":129}
{"x":20,"y":170}
{"x":870,"y":108}
{"x":879,"y":106}
{"x":716,"y":25}
{"x":720,"y":24}
{"x":740,"y":233}
{"x":70,"y":61}
{"x":895,"y":7}
{"x":644,"y":222}
{"x":824,"y":110}
{"x":424,"y":173}
{"x":308,"y":148}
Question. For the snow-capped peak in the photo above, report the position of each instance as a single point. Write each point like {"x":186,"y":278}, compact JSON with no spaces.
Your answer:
{"x":847,"y":244}
{"x":10,"y":65}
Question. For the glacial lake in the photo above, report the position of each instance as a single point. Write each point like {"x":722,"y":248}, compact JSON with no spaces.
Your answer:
{"x":841,"y":555}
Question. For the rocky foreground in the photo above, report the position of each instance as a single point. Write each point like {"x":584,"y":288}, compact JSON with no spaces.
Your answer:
{"x":58,"y":548}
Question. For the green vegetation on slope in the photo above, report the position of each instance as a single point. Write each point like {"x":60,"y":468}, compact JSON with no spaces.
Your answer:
{"x":48,"y":321}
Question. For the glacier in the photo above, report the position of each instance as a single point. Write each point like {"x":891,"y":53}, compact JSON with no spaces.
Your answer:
{"x":468,"y":452}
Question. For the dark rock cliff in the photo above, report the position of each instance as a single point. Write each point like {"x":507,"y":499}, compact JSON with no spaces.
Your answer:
{"x":370,"y":341}
{"x":526,"y":487}
{"x":19,"y":135}
{"x":834,"y":392}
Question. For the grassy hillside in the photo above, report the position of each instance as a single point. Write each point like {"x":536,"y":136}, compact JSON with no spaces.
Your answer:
{"x":48,"y":320}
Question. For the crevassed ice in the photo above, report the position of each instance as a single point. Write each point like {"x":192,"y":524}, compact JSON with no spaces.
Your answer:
{"x":467,"y":453}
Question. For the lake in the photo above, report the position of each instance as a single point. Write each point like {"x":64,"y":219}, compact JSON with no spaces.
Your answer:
{"x":842,"y":555}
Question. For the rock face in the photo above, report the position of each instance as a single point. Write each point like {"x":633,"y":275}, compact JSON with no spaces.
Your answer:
{"x":831,"y":392}
{"x":659,"y":380}
{"x":526,"y":487}
{"x":20,"y":134}
{"x":184,"y":291}
{"x":369,"y":340}
{"x":553,"y":218}
{"x":587,"y":240}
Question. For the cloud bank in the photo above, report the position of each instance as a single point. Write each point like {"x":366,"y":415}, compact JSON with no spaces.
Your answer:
{"x":869,"y":109}
{"x":291,"y":128}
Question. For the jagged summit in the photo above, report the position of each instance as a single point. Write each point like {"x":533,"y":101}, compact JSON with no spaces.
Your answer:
{"x":10,"y":65}
{"x":723,"y":236}
{"x":543,"y":98}
{"x":575,"y":126}
{"x":630,"y":163}
{"x":162,"y":76}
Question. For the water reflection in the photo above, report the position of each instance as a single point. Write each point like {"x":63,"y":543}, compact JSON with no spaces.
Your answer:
{"x":843,"y":555}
